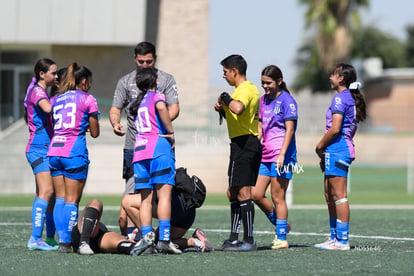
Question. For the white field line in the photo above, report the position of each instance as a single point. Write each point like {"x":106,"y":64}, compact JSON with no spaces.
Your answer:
{"x":256,"y":232}
{"x":294,"y":207}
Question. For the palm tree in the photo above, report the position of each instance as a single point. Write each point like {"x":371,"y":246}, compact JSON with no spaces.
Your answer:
{"x":333,"y":21}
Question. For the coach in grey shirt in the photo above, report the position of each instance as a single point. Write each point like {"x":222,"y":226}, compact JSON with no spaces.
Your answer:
{"x":126,"y":91}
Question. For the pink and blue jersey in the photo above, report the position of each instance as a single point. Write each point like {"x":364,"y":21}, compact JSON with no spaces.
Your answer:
{"x":39,"y":123}
{"x":71,"y":112}
{"x":343,"y":103}
{"x":273,"y":113}
{"x":148,"y":142}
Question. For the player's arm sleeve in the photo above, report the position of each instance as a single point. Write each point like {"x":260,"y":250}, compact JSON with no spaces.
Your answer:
{"x":338,"y":105}
{"x":93,"y":107}
{"x":290,"y":111}
{"x":120,"y":95}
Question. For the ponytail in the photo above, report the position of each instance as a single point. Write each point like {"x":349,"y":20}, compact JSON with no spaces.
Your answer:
{"x":146,"y":79}
{"x":68,"y":82}
{"x":360,"y":105}
{"x":284,"y":87}
{"x":135,"y":104}
{"x":349,"y":80}
{"x":73,"y":77}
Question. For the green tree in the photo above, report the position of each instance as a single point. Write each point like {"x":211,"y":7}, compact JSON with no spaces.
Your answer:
{"x":372,"y":42}
{"x":333,"y":22}
{"x":311,"y":75}
{"x":409,"y":48}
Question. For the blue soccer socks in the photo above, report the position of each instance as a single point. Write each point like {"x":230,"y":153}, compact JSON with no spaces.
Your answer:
{"x":342,"y":231}
{"x":38,"y":217}
{"x":146,"y":229}
{"x":281,"y":228}
{"x":332,"y":227}
{"x":164,"y":229}
{"x":70,"y":215}
{"x":50,"y":225}
{"x":58,"y":216}
{"x":272,"y":216}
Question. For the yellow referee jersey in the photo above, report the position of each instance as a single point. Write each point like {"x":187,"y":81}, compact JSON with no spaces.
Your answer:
{"x":247,"y":122}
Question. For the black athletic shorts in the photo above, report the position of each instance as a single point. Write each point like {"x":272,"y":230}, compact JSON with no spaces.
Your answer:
{"x":94,"y":243}
{"x":181,"y":216}
{"x":128,"y":166}
{"x":245,"y":158}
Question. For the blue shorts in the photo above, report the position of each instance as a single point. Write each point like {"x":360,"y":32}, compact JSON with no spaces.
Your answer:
{"x":337,"y":164}
{"x":71,"y":167}
{"x":269,"y":169}
{"x":38,"y":160}
{"x":150,"y":172}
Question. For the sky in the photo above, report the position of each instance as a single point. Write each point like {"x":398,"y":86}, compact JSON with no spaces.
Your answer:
{"x":270,"y":32}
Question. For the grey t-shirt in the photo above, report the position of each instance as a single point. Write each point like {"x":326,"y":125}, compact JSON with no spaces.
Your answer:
{"x":126,"y":91}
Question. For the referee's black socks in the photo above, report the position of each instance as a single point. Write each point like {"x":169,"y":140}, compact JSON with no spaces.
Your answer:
{"x":247,"y":215}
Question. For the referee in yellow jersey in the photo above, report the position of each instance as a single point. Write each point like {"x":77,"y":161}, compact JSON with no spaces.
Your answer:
{"x":241,"y":111}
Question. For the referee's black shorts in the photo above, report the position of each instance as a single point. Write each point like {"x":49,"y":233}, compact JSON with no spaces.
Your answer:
{"x":245,"y":159}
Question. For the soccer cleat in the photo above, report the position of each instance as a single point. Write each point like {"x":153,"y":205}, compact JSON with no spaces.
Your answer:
{"x":85,"y":249}
{"x":288,"y":228}
{"x":39,"y":244}
{"x":64,"y":247}
{"x":336,"y":246}
{"x":135,"y":235}
{"x":279,"y":244}
{"x":143,"y":244}
{"x":52,"y":242}
{"x":226,"y":245}
{"x":201,"y":243}
{"x":243,"y":247}
{"x":168,"y":247}
{"x":326,"y":243}
{"x":150,"y":250}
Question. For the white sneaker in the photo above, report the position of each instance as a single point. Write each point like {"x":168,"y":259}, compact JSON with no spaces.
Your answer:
{"x":85,"y":249}
{"x":336,"y":246}
{"x":168,"y":247}
{"x":326,"y":243}
{"x":143,"y":244}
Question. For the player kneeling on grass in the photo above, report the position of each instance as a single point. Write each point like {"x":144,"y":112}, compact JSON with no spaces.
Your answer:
{"x":90,"y":236}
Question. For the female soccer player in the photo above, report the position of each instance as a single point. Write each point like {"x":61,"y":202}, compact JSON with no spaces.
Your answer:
{"x":154,"y":161}
{"x":277,"y":125}
{"x":37,"y":110}
{"x":336,"y":151}
{"x":74,"y":113}
{"x":90,"y":236}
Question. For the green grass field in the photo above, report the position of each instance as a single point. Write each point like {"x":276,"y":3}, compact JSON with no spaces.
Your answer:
{"x":382,"y":243}
{"x":382,"y":240}
{"x":369,"y":185}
